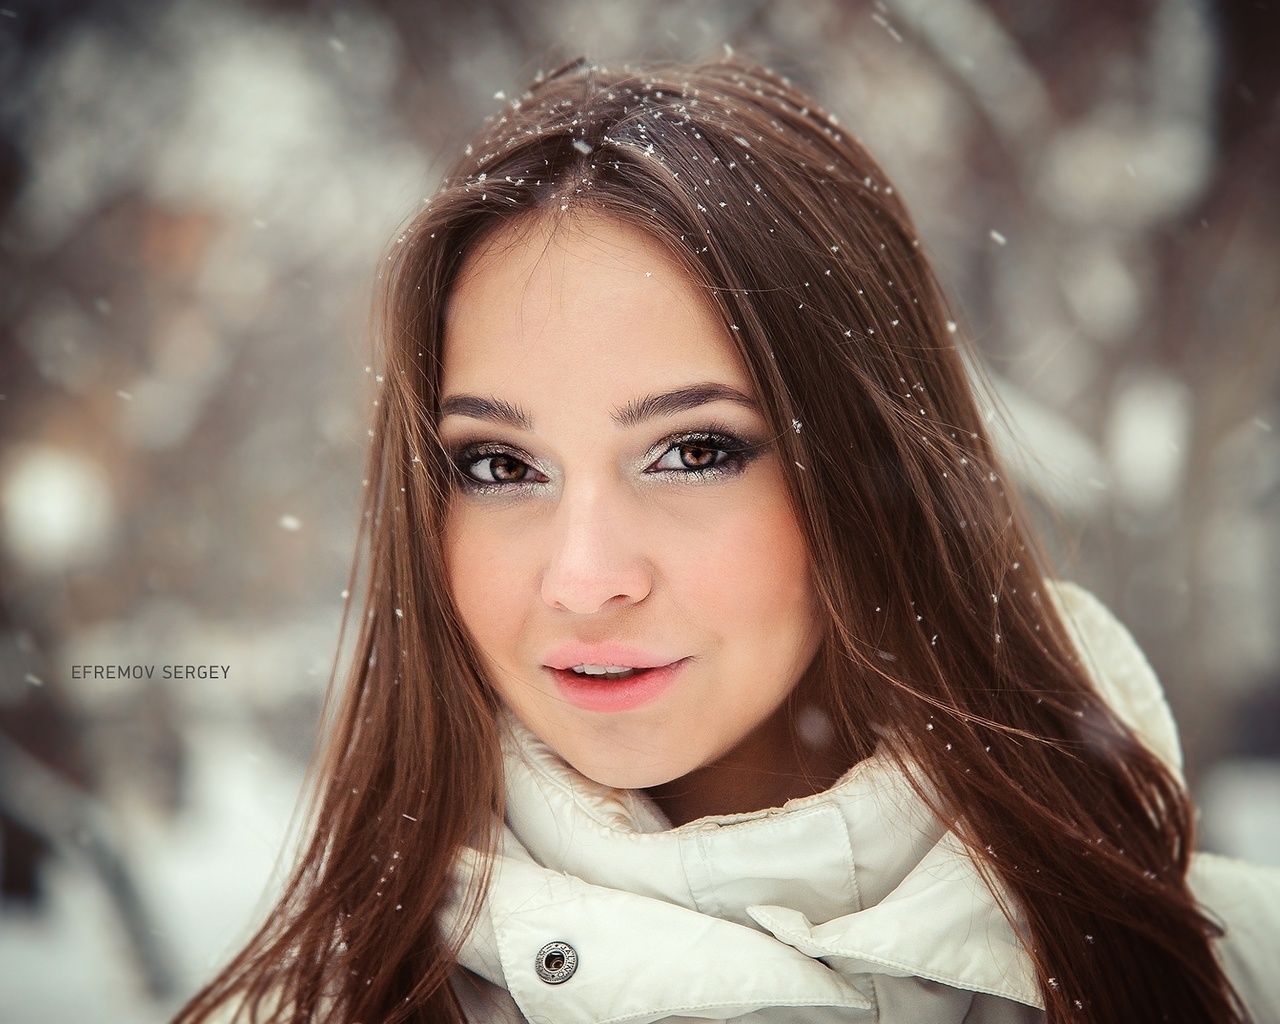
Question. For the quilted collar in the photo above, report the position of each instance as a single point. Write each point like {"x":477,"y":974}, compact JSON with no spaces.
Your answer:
{"x":861,"y":878}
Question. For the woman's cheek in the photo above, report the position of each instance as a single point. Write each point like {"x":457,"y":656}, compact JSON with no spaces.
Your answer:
{"x":484,"y":577}
{"x":743,"y":567}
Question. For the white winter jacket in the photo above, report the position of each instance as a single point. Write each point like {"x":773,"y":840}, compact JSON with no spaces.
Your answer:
{"x":851,"y":905}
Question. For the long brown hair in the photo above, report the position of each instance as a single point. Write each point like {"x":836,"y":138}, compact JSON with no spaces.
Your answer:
{"x":941,"y":643}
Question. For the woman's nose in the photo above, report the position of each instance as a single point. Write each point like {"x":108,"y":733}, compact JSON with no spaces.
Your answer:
{"x":595,"y":558}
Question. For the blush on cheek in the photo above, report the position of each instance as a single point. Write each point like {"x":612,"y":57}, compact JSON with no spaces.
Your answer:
{"x":768,"y":559}
{"x":480,"y":581}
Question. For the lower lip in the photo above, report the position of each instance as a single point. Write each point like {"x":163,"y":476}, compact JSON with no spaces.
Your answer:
{"x":595,"y":693}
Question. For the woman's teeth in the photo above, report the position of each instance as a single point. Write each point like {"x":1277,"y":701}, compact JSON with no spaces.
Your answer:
{"x":607,"y":671}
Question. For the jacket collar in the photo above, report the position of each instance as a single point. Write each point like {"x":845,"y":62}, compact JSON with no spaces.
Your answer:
{"x":862,"y":875}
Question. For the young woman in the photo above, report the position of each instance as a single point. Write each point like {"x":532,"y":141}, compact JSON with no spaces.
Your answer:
{"x":706,"y":667}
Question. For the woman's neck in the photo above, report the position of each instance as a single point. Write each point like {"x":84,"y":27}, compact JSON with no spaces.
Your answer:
{"x":772,"y":765}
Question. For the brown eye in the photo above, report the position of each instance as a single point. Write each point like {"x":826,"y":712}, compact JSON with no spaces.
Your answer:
{"x":697,"y":456}
{"x":506,"y":468}
{"x":481,"y":468}
{"x":704,"y":456}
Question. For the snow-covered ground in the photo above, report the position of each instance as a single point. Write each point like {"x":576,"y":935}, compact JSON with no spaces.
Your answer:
{"x":203,"y":876}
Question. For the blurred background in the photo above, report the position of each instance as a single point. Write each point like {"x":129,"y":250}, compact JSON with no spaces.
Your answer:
{"x":194,"y":196}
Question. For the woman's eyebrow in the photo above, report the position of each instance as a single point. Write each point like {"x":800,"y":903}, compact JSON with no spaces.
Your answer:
{"x":476,"y":408}
{"x":665,"y":403}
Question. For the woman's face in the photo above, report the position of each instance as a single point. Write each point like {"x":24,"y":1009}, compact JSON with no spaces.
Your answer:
{"x":619,"y":506}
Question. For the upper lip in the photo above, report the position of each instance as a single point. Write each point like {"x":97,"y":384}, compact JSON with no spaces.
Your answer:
{"x":617,"y":655}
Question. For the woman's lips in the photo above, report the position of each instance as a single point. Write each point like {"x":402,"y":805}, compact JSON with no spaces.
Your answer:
{"x":570,"y":654}
{"x":604,"y":695}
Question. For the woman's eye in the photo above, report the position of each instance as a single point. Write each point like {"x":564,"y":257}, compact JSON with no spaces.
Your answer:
{"x":494,"y":469}
{"x":500,"y":469}
{"x":705,"y":455}
{"x":691,"y":455}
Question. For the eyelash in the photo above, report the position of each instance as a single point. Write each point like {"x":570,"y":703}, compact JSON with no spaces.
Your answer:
{"x":736,"y":455}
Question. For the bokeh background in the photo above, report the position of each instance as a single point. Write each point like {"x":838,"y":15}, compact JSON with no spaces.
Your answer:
{"x":194,"y":198}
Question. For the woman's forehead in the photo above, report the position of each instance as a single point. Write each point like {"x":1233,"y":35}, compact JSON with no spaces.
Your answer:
{"x":589,"y":296}
{"x":540,"y":243}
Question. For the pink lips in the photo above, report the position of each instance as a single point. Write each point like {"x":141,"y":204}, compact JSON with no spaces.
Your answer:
{"x":596,"y":693}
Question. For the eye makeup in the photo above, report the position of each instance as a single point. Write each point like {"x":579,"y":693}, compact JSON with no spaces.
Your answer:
{"x":487,"y":467}
{"x":730,"y":455}
{"x":714,"y":452}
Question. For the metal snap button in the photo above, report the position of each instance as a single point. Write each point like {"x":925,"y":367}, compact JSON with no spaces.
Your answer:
{"x":556,"y":962}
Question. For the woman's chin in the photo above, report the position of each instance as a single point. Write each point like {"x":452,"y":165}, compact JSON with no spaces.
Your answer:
{"x":631,"y":776}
